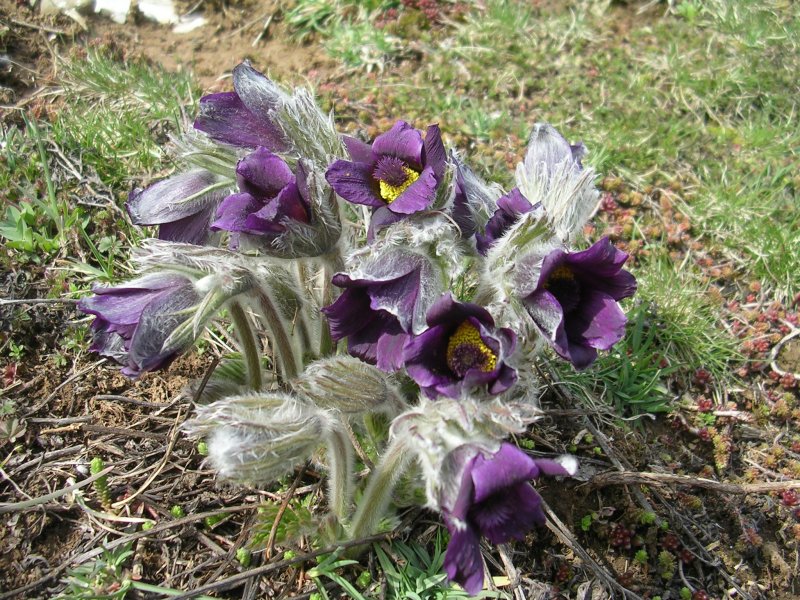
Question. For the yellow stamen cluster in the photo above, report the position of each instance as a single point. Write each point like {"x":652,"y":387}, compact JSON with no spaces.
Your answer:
{"x":391,"y":192}
{"x":561,"y":272}
{"x":468,"y":335}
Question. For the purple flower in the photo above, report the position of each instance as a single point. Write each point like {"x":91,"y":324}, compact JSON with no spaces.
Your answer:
{"x":509,"y":209}
{"x":398,"y":175}
{"x":384,"y":304}
{"x":244,"y":117}
{"x":491,"y":497}
{"x":461,"y":349}
{"x":574,"y":304}
{"x":182,"y":206}
{"x":269,"y":196}
{"x":135,"y":319}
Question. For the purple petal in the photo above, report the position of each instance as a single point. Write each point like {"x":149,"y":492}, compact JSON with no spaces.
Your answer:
{"x":233,"y":212}
{"x":509,"y":466}
{"x":225,"y":118}
{"x":509,"y":209}
{"x":348,"y":313}
{"x":598,"y":322}
{"x":389,"y":351}
{"x":364,"y":342}
{"x":166,"y":201}
{"x":263,"y":174}
{"x":462,"y":561}
{"x":354,"y":182}
{"x":158,"y":320}
{"x":448,"y":310}
{"x":397,"y":296}
{"x":358,"y":150}
{"x":418,"y":196}
{"x":601,"y":266}
{"x":424,"y":359}
{"x":194,"y":229}
{"x":435,"y":154}
{"x":505,"y":379}
{"x":401,"y":141}
{"x":123,"y":304}
{"x":551,"y":468}
{"x":509,"y":515}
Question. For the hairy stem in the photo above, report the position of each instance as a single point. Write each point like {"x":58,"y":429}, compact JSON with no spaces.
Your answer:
{"x":249,"y":345}
{"x":382,"y":480}
{"x":283,"y":351}
{"x":340,"y":480}
{"x":331,"y":264}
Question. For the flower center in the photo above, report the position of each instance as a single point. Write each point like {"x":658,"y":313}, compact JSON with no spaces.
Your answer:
{"x":394,"y":177}
{"x":466,"y":350}
{"x":565,"y":287}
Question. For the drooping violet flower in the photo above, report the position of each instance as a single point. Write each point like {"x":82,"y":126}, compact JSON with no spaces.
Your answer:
{"x":398,"y":175}
{"x":461,"y":349}
{"x":382,"y":304}
{"x":269,"y":195}
{"x":182,"y":206}
{"x":134,"y":320}
{"x":509,"y":209}
{"x":490,"y":496}
{"x":574,"y":304}
{"x":244,"y":117}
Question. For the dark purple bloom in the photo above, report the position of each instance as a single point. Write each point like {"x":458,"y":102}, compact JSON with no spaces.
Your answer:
{"x":494,"y":500}
{"x":269,"y":196}
{"x":135,"y":319}
{"x":509,"y":209}
{"x":574,"y":304}
{"x":244,"y":117}
{"x":182,"y":206}
{"x":398,"y":174}
{"x":380,"y":308}
{"x":461,"y":349}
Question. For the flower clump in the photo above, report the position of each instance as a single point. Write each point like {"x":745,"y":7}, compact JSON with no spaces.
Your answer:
{"x":388,"y":279}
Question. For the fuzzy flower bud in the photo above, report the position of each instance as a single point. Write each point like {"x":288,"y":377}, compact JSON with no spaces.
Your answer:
{"x":348,"y":385}
{"x":253,"y":439}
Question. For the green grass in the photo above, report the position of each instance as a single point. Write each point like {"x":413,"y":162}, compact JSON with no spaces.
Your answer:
{"x":67,"y":178}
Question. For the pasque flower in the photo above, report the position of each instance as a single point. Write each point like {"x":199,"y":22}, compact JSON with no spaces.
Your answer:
{"x":397,"y":175}
{"x":244,"y":117}
{"x":461,"y":349}
{"x":134,"y":320}
{"x":269,"y":195}
{"x":490,"y":496}
{"x":182,"y":205}
{"x":384,"y":302}
{"x":574,"y":304}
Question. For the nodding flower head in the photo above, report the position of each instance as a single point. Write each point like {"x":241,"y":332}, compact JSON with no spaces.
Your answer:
{"x":135,"y":321}
{"x":400,"y":172}
{"x":269,"y":194}
{"x":383,"y":302}
{"x":489,"y":495}
{"x":182,"y":205}
{"x":460,"y":350}
{"x":244,"y":117}
{"x":574,"y":304}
